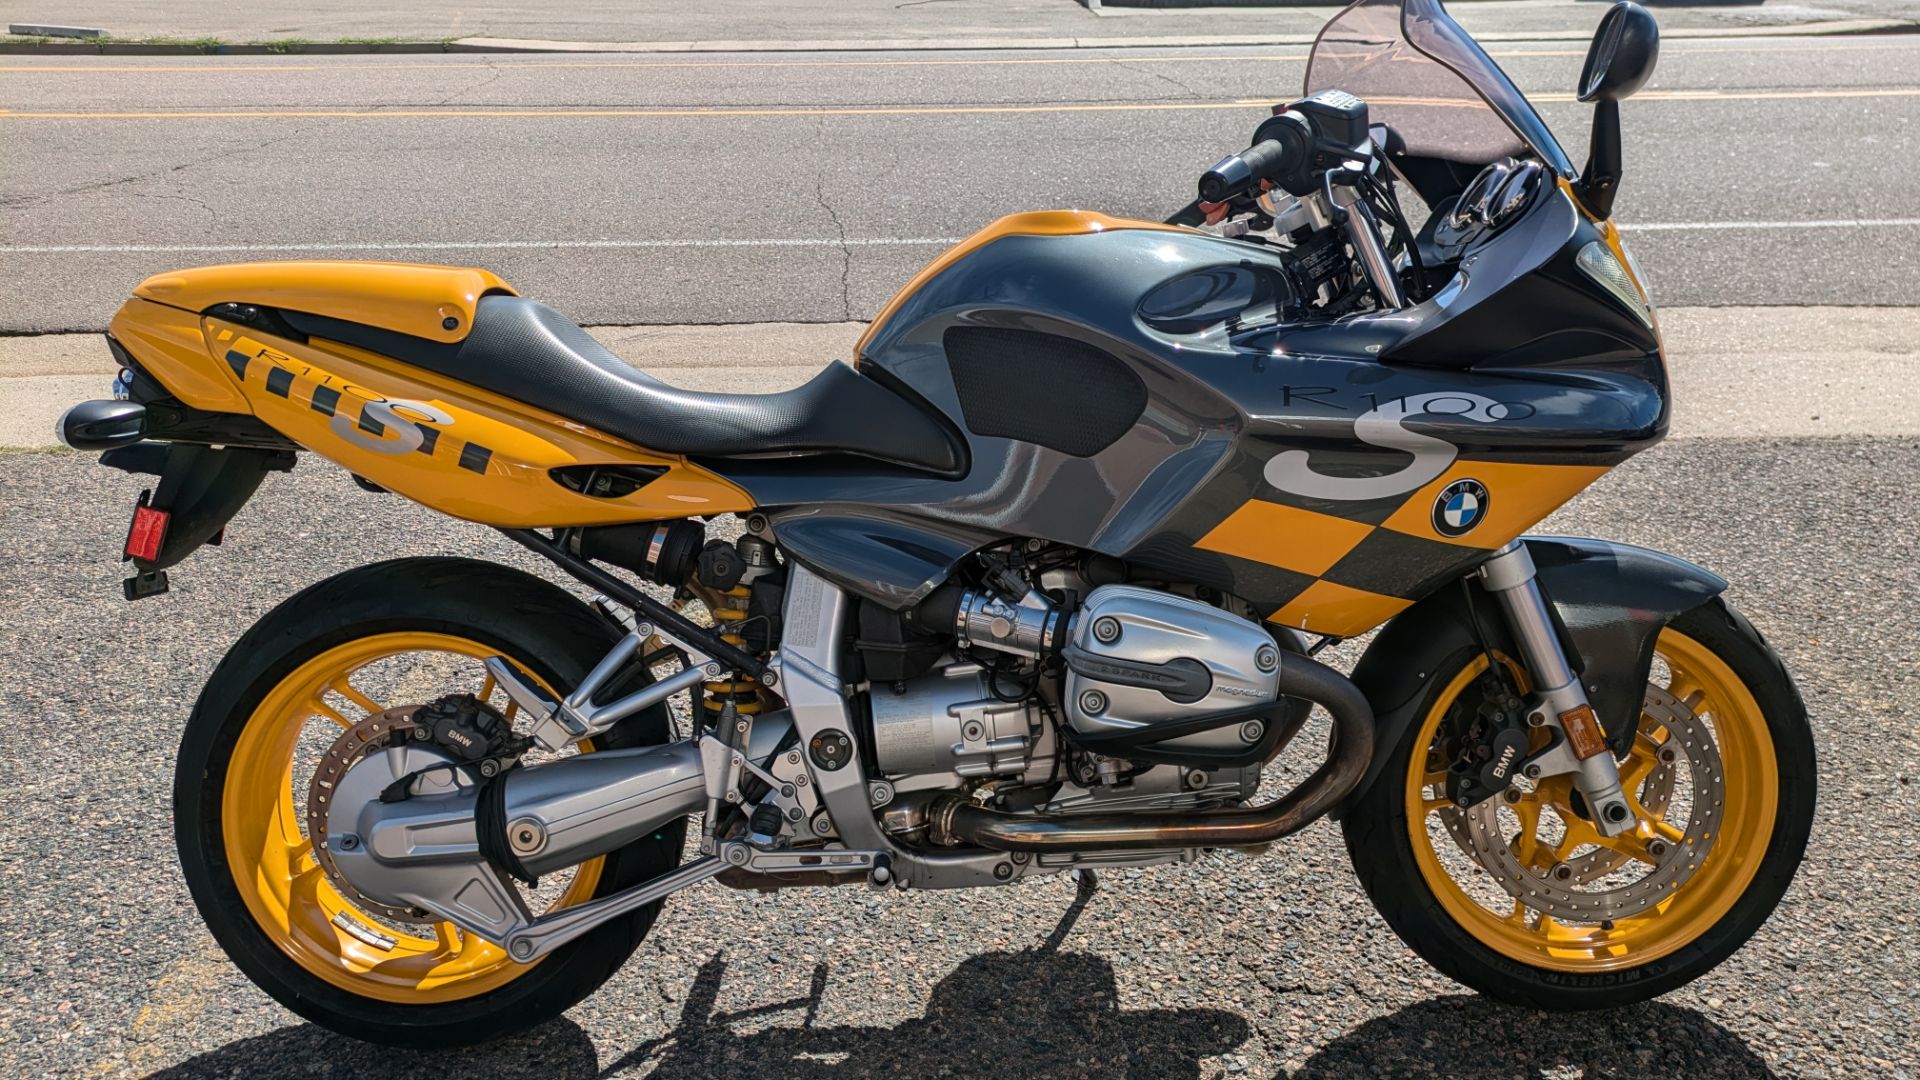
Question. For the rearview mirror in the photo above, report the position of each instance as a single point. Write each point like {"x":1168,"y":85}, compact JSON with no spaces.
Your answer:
{"x":1621,"y":58}
{"x":1619,"y":62}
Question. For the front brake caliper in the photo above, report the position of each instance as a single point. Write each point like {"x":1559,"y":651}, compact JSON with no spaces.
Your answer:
{"x":1489,"y":745}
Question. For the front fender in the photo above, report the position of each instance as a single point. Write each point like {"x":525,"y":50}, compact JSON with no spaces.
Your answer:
{"x":1613,"y":599}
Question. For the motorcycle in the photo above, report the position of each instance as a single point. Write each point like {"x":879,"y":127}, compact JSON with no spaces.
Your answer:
{"x":1035,"y":586}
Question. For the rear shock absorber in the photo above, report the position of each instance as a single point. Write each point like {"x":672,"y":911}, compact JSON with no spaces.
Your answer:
{"x":744,"y":693}
{"x":726,"y":569}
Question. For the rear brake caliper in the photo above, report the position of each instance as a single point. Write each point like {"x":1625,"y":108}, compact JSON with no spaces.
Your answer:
{"x":460,"y":726}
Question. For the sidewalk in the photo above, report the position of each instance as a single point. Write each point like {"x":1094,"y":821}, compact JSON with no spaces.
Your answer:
{"x":744,"y":25}
{"x":1741,"y":372}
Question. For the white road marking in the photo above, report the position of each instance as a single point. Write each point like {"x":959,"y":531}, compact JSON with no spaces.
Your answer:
{"x":485,"y":245}
{"x":852,"y":241}
{"x":1835,"y":223}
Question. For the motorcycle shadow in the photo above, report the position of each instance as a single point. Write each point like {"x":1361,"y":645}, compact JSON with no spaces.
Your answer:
{"x":1036,"y":1013}
{"x":1024,"y":1014}
{"x":1032,"y":1014}
{"x":998,"y":1014}
{"x":1468,"y":1036}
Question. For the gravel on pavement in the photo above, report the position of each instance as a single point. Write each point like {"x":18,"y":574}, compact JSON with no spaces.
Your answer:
{"x":1229,"y":966}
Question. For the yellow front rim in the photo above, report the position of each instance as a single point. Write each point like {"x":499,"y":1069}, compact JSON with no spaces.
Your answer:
{"x":288,"y":893}
{"x":1698,"y":678}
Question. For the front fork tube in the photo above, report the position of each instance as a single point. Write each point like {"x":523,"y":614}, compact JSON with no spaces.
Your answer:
{"x":1560,"y":702}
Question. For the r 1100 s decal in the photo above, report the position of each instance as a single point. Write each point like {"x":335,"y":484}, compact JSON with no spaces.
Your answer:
{"x":456,"y":450}
{"x":381,"y":424}
{"x":1384,"y":426}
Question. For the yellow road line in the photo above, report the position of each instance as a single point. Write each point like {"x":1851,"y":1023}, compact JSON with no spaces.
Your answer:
{"x":514,"y":114}
{"x":222,"y":69}
{"x":219,"y":67}
{"x":887,"y":110}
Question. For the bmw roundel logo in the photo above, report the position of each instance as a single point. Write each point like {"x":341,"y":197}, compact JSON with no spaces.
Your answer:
{"x":1459,"y":507}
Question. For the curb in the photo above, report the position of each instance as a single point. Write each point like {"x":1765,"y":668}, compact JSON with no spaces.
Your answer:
{"x":1830,"y":28}
{"x":144,"y":48}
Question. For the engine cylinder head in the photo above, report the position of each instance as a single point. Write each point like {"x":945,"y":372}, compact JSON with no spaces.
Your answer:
{"x":1139,"y":659}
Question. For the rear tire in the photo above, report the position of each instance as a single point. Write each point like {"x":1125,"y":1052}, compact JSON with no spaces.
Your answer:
{"x":544,"y":630}
{"x":1381,"y":842}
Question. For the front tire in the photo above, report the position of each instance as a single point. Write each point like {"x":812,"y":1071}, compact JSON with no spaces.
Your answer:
{"x":412,"y":629}
{"x":1417,"y":864}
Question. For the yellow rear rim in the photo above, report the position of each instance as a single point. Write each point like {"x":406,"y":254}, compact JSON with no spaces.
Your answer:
{"x":287,"y":892}
{"x":1705,"y":683}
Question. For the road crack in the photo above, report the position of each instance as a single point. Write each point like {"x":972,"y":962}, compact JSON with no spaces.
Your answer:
{"x":210,"y":211}
{"x":493,"y":75}
{"x":22,"y":202}
{"x":1161,"y":75}
{"x":840,"y":232}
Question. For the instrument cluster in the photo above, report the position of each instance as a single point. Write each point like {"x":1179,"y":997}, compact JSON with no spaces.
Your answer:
{"x":1486,"y":205}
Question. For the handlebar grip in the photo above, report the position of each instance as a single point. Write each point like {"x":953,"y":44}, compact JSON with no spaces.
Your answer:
{"x":1282,"y":148}
{"x":1236,"y":174}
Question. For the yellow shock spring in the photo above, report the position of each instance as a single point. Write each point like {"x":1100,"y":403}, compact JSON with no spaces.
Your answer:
{"x":727,"y":620}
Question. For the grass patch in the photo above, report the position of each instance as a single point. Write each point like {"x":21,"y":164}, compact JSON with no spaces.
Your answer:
{"x":198,"y":44}
{"x":286,"y":45}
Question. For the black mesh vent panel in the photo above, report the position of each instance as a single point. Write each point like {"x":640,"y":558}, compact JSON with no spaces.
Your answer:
{"x":1063,"y":394}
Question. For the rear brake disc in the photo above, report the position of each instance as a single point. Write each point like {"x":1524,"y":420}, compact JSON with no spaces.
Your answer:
{"x":377,"y":732}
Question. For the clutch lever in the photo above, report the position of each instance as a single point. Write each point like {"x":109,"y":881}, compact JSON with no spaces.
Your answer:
{"x":1189,"y":215}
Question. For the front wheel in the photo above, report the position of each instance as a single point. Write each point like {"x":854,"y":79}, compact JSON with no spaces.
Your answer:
{"x":383,"y":637}
{"x":1520,"y":898}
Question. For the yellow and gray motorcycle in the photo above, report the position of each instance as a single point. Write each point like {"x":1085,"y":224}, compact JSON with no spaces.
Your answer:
{"x":1033,"y":586}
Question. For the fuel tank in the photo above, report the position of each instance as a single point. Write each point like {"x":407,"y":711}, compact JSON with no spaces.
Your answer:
{"x":1138,"y":390}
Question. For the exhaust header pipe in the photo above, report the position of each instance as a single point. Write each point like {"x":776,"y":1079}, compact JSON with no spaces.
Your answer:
{"x":953,"y":820}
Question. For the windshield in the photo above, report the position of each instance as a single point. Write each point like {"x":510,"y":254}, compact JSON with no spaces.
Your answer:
{"x":1418,"y":71}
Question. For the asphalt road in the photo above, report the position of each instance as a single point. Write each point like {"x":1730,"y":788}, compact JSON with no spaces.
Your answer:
{"x":858,"y":167}
{"x":1275,"y":967}
{"x":861,"y":22}
{"x":759,"y":188}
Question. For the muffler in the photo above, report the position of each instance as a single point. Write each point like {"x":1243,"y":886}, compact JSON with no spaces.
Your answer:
{"x":953,"y":820}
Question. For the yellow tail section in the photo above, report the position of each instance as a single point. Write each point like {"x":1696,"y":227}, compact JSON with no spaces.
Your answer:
{"x":455,"y":448}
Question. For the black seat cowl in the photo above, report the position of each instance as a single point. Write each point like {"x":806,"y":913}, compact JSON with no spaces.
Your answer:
{"x":529,"y":352}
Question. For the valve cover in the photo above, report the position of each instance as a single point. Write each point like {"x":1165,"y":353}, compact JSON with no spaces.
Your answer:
{"x":1138,"y":659}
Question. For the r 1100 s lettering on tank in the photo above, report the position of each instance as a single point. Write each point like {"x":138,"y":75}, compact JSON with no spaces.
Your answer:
{"x":1383,"y":425}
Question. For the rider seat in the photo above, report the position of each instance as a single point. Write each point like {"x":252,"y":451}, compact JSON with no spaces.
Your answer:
{"x":529,"y":352}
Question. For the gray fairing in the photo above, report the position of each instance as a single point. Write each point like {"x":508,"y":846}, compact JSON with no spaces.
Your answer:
{"x":1229,"y":383}
{"x":1612,"y":599}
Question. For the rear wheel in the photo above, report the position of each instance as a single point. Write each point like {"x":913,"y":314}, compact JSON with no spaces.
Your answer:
{"x":383,"y":637}
{"x":1522,"y":899}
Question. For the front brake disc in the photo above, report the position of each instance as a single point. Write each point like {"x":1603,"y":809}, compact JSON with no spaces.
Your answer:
{"x":1478,"y":831}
